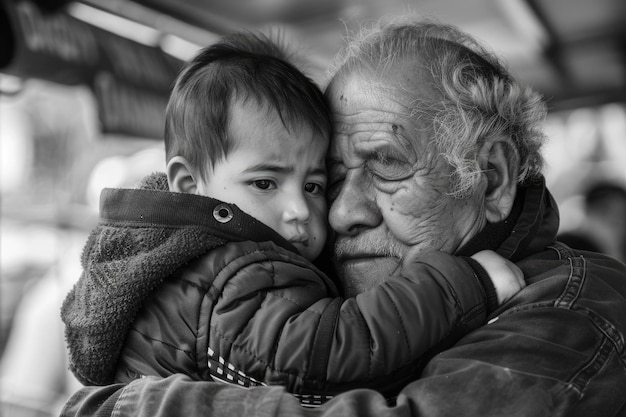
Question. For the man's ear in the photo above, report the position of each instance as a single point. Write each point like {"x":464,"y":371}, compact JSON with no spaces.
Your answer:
{"x":180,"y":176}
{"x":499,"y":160}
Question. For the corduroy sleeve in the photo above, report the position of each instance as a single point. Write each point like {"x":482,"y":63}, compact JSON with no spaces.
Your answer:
{"x":175,"y":396}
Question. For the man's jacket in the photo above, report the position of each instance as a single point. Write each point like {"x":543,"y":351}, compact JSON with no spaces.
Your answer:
{"x":554,"y":349}
{"x":180,"y":283}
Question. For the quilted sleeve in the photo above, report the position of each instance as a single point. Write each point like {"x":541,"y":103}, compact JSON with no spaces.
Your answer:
{"x":275,"y":319}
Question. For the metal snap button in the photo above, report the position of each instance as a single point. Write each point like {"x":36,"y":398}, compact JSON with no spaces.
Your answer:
{"x":222,"y":213}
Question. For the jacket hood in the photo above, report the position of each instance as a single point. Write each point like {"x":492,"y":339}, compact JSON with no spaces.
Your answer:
{"x":144,"y":236}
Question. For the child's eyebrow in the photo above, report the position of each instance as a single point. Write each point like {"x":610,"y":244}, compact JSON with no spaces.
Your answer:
{"x":318,"y":171}
{"x":269,"y":167}
{"x":280,"y":169}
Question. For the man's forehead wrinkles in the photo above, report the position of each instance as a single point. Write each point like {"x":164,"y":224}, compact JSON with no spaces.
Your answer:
{"x":369,"y":112}
{"x":368,"y":124}
{"x":374,"y":145}
{"x":391,"y":139}
{"x":363,"y":127}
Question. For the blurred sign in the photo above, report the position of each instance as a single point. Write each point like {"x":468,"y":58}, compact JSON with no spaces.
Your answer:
{"x":131,"y":81}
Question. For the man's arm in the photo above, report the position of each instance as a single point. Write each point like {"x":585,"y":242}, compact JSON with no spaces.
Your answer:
{"x":176,"y":395}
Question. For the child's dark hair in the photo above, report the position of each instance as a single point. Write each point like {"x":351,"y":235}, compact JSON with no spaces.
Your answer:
{"x":242,"y":66}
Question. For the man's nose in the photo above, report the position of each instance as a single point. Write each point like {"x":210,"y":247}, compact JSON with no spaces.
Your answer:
{"x":355,"y":207}
{"x":296,"y":209}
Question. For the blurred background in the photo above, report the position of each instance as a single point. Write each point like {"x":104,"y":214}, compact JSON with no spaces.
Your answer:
{"x":83,"y":87}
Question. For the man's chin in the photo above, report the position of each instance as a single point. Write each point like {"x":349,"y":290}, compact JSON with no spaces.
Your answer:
{"x":360,"y":274}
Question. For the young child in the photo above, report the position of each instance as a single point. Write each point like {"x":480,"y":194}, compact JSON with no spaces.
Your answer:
{"x":187,"y":281}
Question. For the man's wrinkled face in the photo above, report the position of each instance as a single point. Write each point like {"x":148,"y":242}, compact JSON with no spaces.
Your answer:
{"x":389,"y":189}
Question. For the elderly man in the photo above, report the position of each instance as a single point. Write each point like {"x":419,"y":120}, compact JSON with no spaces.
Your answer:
{"x":436,"y":147}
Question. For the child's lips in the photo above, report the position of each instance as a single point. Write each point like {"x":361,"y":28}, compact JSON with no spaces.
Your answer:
{"x":301,"y":240}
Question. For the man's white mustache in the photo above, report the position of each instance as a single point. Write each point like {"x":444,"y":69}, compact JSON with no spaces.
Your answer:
{"x":368,"y":245}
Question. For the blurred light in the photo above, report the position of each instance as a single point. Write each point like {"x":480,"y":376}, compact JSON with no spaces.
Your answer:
{"x":164,"y":23}
{"x":10,"y":85}
{"x":115,"y":24}
{"x":178,"y":47}
{"x":16,"y":148}
{"x":613,"y":128}
{"x":523,"y":19}
{"x":123,"y":171}
{"x":583,"y":133}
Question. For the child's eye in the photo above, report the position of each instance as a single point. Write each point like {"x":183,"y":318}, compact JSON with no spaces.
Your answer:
{"x":264,"y":184}
{"x":313,"y":188}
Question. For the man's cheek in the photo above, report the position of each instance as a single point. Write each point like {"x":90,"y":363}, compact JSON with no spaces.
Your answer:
{"x":401,"y":211}
{"x":406,"y":201}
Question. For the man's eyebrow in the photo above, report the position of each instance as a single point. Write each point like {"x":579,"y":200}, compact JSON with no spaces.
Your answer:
{"x":378,"y":150}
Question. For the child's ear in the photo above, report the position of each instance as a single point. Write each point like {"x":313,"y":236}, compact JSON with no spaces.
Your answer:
{"x":500,"y":161}
{"x":180,"y":177}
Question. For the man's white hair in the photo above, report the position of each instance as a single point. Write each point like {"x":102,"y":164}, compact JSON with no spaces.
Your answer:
{"x":479,"y":98}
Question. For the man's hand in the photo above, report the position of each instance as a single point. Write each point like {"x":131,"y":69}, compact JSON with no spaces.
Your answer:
{"x":507,"y":278}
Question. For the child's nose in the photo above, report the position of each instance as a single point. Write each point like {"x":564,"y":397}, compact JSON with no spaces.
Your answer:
{"x":297,"y":210}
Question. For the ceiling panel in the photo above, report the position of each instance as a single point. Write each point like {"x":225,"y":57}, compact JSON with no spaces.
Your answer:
{"x":564,"y":48}
{"x":572,"y":20}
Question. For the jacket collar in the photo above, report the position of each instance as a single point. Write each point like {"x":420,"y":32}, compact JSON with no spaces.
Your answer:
{"x":145,"y":207}
{"x":531,"y":226}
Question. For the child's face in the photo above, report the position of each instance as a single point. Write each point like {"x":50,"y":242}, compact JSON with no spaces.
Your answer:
{"x":276,"y":175}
